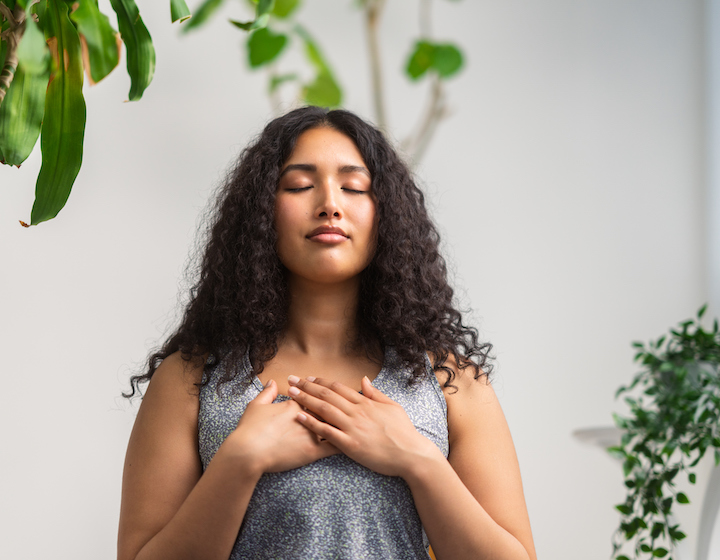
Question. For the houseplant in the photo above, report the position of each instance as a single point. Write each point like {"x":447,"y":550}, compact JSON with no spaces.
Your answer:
{"x":673,"y":420}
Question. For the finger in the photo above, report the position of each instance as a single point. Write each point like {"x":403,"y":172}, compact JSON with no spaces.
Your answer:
{"x":339,"y":388}
{"x":268,"y":394}
{"x":373,"y":392}
{"x":330,"y":434}
{"x":318,"y":406}
{"x":328,"y":393}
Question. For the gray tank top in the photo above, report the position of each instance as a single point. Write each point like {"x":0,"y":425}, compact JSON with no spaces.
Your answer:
{"x":333,"y":508}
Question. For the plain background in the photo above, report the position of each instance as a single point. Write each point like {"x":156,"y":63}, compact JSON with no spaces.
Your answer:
{"x":568,"y":183}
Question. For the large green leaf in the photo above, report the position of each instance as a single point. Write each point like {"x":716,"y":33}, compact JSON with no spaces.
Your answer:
{"x":264,"y":46}
{"x":21,"y":115}
{"x":179,"y":11}
{"x":202,"y":14}
{"x":140,"y":50}
{"x":100,"y":40}
{"x":63,"y":127}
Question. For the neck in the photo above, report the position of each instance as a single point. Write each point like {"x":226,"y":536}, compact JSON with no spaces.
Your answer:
{"x":322,"y":318}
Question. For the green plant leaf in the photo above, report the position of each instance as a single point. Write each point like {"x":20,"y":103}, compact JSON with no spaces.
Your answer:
{"x":202,"y":14}
{"x":446,"y":60}
{"x":277,"y":81}
{"x":33,"y":52}
{"x":323,"y":92}
{"x":63,"y":127}
{"x":100,"y":42}
{"x":420,"y":60}
{"x":682,"y":498}
{"x":262,"y":16}
{"x":21,"y":115}
{"x":283,"y":8}
{"x":622,"y":557}
{"x":659,"y":553}
{"x":264,"y":46}
{"x":179,"y":11}
{"x":692,"y":478}
{"x":624,"y":509}
{"x":140,"y":50}
{"x":257,"y":23}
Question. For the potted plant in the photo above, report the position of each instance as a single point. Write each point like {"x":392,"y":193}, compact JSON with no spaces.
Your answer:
{"x":674,"y":419}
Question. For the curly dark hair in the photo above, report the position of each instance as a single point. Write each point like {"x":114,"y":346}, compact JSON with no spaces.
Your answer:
{"x":240,"y":300}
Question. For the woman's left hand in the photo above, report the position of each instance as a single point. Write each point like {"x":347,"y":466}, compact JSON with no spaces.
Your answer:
{"x":370,"y":428}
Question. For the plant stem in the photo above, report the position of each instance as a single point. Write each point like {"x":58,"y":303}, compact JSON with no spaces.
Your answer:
{"x":373,"y":11}
{"x":12,"y":36}
{"x":416,"y":143}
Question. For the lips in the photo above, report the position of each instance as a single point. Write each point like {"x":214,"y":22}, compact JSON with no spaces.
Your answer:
{"x":330,"y":230}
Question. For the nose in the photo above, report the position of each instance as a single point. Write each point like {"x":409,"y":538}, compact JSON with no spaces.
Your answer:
{"x":328,"y":203}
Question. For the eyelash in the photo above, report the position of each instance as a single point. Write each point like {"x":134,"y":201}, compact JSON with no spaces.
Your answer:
{"x":300,"y":189}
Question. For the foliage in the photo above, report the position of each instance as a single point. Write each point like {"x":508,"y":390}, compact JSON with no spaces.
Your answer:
{"x":42,"y":97}
{"x":674,"y":419}
{"x":46,"y":46}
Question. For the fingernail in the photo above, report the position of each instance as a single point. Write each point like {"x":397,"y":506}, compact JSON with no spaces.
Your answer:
{"x":311,"y":379}
{"x":268,"y":383}
{"x":301,"y":417}
{"x":293,"y":379}
{"x":294,"y":391}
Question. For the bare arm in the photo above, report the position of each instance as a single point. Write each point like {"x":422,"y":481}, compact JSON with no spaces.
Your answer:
{"x":170,"y":509}
{"x":472,"y":505}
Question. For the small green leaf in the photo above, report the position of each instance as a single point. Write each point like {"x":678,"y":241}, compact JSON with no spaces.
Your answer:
{"x":692,"y":478}
{"x":179,"y":11}
{"x":702,"y":311}
{"x":660,"y":553}
{"x":264,"y":46}
{"x":277,"y":81}
{"x":446,"y":60}
{"x":682,"y":498}
{"x":63,"y":127}
{"x":101,"y":43}
{"x":283,"y":8}
{"x":258,"y":23}
{"x":140,"y":50}
{"x":202,"y":14}
{"x":624,"y":509}
{"x":323,"y":92}
{"x":33,"y":52}
{"x":622,"y":557}
{"x":420,"y":60}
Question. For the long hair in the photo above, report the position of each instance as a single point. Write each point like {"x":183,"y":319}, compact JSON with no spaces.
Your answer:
{"x":240,"y":300}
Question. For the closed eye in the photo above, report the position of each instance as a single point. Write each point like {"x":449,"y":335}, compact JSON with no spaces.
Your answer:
{"x":354,"y":191}
{"x":299,"y":189}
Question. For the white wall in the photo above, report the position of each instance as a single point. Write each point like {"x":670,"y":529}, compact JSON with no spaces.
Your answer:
{"x":568,"y":184}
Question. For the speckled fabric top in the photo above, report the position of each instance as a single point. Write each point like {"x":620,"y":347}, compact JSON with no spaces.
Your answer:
{"x":334,"y":508}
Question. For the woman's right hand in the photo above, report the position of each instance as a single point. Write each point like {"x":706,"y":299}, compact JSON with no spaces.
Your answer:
{"x":269,"y":437}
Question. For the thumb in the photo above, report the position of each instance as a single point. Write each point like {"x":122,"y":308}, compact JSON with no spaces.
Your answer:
{"x":372,"y":393}
{"x":268,"y":394}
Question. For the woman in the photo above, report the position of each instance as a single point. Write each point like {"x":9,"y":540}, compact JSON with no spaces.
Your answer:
{"x":321,"y":398}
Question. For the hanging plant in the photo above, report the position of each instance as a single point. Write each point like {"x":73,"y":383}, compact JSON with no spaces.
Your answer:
{"x":674,"y":419}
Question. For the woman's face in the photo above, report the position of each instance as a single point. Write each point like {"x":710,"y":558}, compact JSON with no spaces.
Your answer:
{"x":324,"y":209}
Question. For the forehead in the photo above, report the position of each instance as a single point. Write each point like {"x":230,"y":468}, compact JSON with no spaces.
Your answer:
{"x":325,"y":145}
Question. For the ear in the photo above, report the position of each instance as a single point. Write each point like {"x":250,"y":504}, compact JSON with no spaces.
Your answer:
{"x":268,"y":394}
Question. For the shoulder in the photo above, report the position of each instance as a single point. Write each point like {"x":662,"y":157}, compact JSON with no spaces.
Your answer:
{"x":470,"y":400}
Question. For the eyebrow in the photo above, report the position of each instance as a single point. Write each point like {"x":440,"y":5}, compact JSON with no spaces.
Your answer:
{"x":313,"y":168}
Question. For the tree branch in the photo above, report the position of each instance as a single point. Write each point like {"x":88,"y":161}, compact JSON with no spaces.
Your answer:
{"x":416,"y":144}
{"x":13,"y":37}
{"x":373,"y":11}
